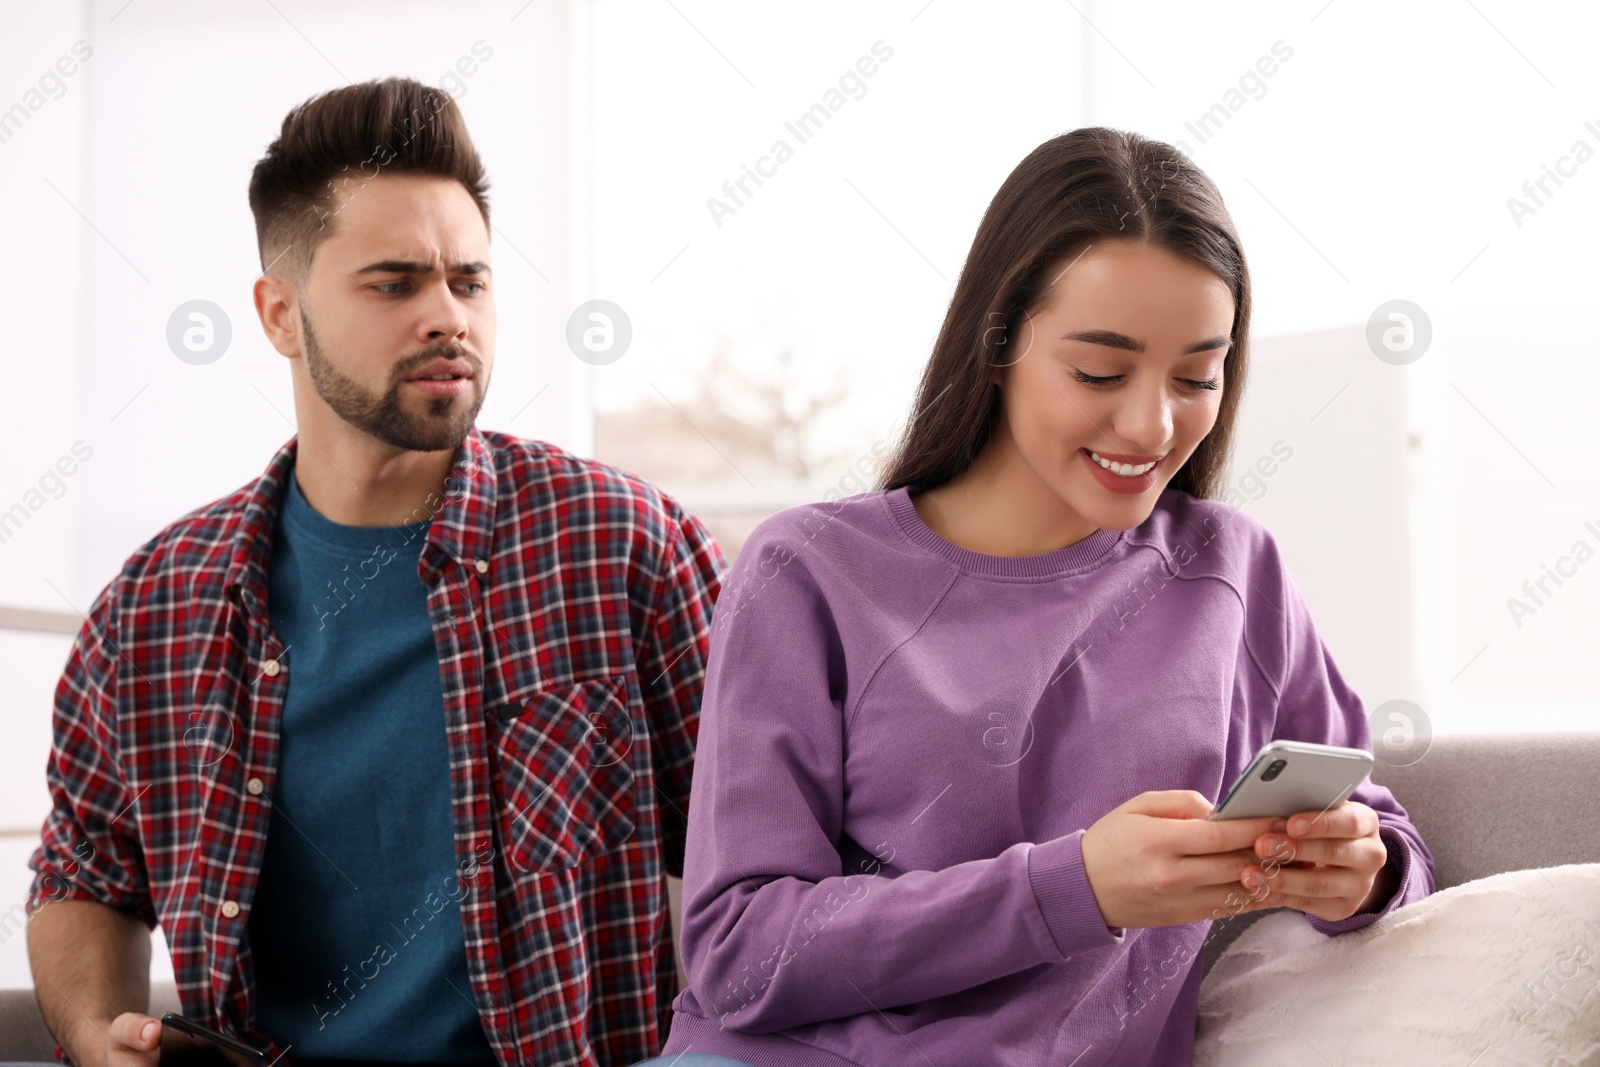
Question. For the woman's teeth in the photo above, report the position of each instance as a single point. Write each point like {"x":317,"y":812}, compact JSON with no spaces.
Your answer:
{"x":1127,"y":470}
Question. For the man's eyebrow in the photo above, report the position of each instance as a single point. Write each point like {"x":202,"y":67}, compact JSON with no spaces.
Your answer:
{"x":1112,"y":339}
{"x":411,"y":266}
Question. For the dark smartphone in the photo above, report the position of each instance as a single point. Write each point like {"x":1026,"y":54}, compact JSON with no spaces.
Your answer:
{"x":205,"y":1033}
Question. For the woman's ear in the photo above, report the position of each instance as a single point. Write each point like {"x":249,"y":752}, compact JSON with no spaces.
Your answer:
{"x":1000,"y":373}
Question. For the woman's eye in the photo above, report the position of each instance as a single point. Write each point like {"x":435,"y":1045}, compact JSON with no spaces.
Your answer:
{"x":1193,"y":383}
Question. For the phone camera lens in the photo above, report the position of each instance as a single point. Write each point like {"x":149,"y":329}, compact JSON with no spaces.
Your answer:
{"x":1274,"y":769}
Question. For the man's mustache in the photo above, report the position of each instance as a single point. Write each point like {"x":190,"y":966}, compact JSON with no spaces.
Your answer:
{"x":409,"y":367}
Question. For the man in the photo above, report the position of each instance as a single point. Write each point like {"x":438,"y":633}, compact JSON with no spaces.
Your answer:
{"x":394,"y":742}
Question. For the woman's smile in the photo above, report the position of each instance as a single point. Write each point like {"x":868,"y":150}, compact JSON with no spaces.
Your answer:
{"x":1118,"y":482}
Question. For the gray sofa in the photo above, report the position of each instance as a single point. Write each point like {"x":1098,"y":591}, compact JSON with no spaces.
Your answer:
{"x":1483,"y":803}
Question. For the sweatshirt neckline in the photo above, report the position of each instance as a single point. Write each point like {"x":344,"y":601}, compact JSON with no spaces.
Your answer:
{"x":1080,"y":555}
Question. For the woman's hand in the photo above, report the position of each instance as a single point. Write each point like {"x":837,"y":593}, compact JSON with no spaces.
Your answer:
{"x":1326,"y":864}
{"x":1155,"y":860}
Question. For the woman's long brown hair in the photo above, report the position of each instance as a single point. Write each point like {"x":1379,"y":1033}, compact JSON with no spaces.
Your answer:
{"x":1089,"y":185}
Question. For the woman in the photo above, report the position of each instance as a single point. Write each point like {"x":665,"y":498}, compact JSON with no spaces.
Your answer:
{"x":960,"y":735}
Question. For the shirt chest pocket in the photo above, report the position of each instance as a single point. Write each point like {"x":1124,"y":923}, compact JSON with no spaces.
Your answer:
{"x":563,"y":773}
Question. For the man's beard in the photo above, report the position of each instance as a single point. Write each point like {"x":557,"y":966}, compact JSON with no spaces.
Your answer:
{"x":446,"y":422}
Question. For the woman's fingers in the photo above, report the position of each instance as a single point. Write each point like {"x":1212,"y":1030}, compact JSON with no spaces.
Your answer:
{"x":1358,"y":854}
{"x":1220,"y":869}
{"x":1351,"y":819}
{"x":1285,"y":851}
{"x":1222,"y":902}
{"x":1307,"y":888}
{"x":1207,"y":837}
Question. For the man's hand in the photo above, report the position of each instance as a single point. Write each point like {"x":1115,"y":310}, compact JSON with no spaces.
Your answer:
{"x":136,"y":1040}
{"x":129,"y":1040}
{"x":1324,"y":864}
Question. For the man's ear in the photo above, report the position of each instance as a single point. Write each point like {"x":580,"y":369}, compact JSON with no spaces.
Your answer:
{"x":277,"y":306}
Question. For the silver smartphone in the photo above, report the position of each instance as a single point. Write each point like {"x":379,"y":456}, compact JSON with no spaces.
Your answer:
{"x":1289,"y":777}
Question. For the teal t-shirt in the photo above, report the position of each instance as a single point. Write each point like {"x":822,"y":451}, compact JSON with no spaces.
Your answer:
{"x":356,"y":926}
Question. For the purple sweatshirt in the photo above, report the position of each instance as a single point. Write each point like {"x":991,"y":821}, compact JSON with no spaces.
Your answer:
{"x":902,"y":743}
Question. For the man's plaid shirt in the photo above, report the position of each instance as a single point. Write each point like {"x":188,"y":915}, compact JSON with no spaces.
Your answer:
{"x":570,"y":603}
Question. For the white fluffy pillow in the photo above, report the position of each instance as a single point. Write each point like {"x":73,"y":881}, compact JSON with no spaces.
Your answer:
{"x":1502,"y":970}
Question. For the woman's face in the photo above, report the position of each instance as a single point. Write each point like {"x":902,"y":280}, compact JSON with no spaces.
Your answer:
{"x":1123,"y":361}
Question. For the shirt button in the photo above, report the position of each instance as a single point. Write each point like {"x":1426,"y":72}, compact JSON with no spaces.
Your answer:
{"x":482,"y":565}
{"x":271,"y":668}
{"x":254,"y":787}
{"x":230,"y":908}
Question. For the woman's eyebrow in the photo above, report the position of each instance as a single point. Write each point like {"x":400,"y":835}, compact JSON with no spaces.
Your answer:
{"x":1113,"y":339}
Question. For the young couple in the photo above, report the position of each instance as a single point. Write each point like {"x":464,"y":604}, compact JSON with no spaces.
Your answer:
{"x":952,"y":742}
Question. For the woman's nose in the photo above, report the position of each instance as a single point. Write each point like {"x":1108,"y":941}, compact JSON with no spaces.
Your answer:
{"x":1145,"y":421}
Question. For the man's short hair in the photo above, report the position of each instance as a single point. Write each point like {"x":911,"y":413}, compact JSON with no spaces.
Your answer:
{"x":333,"y":144}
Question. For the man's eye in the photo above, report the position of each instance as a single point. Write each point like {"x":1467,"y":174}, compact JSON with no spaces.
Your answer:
{"x":390,"y":288}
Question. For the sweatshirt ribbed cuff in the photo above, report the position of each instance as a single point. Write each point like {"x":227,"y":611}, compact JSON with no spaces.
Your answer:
{"x":1400,"y":861}
{"x":1061,"y":888}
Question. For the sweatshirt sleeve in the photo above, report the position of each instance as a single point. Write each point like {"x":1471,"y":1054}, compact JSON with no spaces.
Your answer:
{"x":777,"y":931}
{"x":1315,"y":704}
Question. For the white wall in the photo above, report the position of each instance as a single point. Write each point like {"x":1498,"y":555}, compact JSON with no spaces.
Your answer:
{"x":1510,"y":488}
{"x":1340,"y":505}
{"x":44,"y":181}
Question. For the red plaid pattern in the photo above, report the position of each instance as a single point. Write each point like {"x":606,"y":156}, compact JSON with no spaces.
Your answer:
{"x":571,"y":605}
